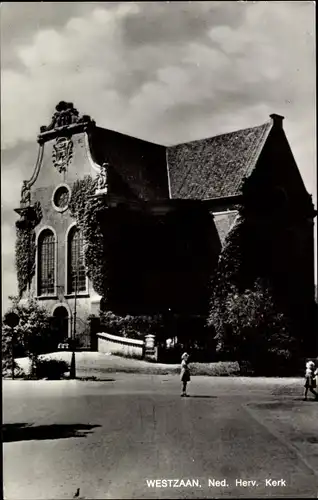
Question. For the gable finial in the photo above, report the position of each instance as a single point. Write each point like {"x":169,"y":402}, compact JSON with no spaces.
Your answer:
{"x":64,"y":116}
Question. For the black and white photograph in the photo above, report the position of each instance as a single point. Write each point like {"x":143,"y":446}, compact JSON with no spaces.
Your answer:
{"x":159,"y":250}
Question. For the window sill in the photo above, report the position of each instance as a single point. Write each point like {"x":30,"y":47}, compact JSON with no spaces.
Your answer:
{"x":46,"y":297}
{"x":81,"y":295}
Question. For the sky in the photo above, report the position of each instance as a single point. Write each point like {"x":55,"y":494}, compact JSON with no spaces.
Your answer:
{"x":166,"y":72}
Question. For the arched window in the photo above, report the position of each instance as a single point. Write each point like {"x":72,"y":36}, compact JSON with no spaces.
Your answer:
{"x":76,"y":280}
{"x":46,"y":263}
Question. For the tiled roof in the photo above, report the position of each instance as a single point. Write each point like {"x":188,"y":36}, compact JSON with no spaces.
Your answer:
{"x":140,"y":166}
{"x":215,"y":167}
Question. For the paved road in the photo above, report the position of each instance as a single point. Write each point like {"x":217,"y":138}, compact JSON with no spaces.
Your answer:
{"x":108,"y":438}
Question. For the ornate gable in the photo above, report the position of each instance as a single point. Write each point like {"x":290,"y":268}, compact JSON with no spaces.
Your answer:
{"x":65,"y":115}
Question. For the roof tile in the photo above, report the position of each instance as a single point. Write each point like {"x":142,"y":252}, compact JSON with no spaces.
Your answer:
{"x":215,"y":167}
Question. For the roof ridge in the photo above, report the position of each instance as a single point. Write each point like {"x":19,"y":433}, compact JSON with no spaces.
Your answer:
{"x":257,"y":150}
{"x":221,"y":135}
{"x":124,"y":134}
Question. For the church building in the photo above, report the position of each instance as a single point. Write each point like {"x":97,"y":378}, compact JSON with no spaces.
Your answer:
{"x":186,"y":199}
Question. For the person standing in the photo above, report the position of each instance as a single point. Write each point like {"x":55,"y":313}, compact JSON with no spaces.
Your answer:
{"x":310,"y":379}
{"x":185,"y":373}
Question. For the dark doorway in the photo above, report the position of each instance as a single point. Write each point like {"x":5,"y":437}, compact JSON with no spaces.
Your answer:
{"x":60,"y":324}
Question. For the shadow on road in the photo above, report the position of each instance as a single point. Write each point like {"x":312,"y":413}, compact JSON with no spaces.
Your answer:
{"x":308,"y":439}
{"x":27,"y":432}
{"x":311,"y":400}
{"x":281,"y":405}
{"x":95,"y":379}
{"x":202,"y":397}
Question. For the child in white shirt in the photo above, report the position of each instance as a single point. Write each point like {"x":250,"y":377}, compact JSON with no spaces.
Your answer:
{"x":185,"y":373}
{"x":310,"y":379}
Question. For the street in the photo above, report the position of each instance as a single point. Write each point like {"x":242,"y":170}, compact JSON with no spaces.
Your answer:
{"x":233,"y":437}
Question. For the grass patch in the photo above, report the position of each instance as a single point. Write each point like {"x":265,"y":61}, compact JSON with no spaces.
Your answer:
{"x":219,"y":369}
{"x":148,"y":367}
{"x":128,"y":356}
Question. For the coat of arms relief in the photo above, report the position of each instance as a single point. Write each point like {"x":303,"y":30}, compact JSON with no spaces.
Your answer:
{"x":62,"y":153}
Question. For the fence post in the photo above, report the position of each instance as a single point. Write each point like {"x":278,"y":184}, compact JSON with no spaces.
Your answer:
{"x":150,"y":350}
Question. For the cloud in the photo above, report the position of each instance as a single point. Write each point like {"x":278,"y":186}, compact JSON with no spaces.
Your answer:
{"x":17,"y":165}
{"x":144,"y":59}
{"x":166,"y":72}
{"x":20,"y":22}
{"x":172,"y":23}
{"x":9,"y":278}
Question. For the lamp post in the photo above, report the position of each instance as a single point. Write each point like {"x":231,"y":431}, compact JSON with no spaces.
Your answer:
{"x":73,"y":361}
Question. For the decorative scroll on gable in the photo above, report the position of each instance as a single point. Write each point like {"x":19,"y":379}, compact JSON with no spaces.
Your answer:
{"x":25,"y":200}
{"x":102,"y":180}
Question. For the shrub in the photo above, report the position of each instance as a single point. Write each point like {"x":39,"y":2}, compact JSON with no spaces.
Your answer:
{"x":7,"y":368}
{"x":52,"y":369}
{"x":135,"y":327}
{"x":33,"y":333}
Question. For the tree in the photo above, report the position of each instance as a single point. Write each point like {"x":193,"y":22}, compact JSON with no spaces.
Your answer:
{"x":32,"y":334}
{"x":249,"y":327}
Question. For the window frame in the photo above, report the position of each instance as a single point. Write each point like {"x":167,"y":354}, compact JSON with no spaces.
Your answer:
{"x":39,"y":241}
{"x":68,"y":259}
{"x":56,"y":208}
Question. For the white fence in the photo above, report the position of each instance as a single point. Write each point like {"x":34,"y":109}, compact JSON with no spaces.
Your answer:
{"x":119,"y":345}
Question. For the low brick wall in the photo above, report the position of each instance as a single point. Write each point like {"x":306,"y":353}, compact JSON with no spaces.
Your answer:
{"x":112,"y":344}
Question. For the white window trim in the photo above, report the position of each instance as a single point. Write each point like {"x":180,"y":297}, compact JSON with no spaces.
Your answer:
{"x":53,"y":295}
{"x":66,"y":293}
